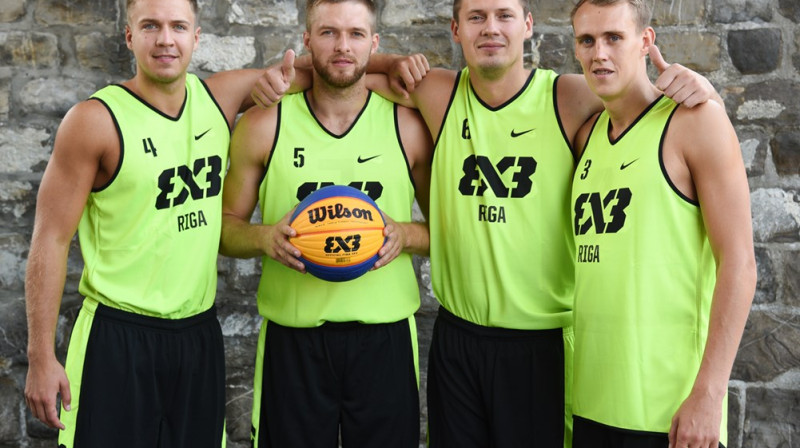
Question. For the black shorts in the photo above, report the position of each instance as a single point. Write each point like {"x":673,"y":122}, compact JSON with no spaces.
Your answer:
{"x":495,"y":387}
{"x":591,"y":434}
{"x":145,"y":382}
{"x":353,"y":380}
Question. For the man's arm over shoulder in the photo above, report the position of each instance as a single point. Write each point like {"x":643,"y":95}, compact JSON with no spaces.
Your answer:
{"x":231,"y":89}
{"x":707,"y":142}
{"x":83,"y":156}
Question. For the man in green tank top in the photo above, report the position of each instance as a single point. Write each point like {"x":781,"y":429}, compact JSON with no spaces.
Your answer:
{"x":138,"y":170}
{"x":501,"y":256}
{"x":665,"y":268}
{"x":355,"y":378}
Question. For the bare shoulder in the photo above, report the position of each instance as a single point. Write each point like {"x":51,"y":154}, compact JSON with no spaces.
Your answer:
{"x":88,"y":130}
{"x":702,"y":131}
{"x":255,"y":133}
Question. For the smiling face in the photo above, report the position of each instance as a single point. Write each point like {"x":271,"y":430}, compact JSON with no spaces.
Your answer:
{"x":492,"y":34}
{"x":611,"y":47}
{"x":340,"y":40}
{"x":162,"y":35}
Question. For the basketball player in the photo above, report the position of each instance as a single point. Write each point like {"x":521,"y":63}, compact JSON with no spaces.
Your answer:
{"x":665,"y":269}
{"x":501,"y":245}
{"x":138,"y":170}
{"x":334,"y":359}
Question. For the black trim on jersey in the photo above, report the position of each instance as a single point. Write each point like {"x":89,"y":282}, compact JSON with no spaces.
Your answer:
{"x":560,"y":124}
{"x":214,"y":100}
{"x":585,"y":148}
{"x":402,"y":147}
{"x":510,"y":100}
{"x":344,"y":134}
{"x":618,"y":429}
{"x":121,"y":147}
{"x":680,"y":194}
{"x":274,"y":143}
{"x":153,"y":108}
{"x":447,"y":111}
{"x":637,"y":120}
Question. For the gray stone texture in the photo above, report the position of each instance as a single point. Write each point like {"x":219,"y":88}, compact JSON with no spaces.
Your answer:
{"x":755,"y":51}
{"x":54,"y":53}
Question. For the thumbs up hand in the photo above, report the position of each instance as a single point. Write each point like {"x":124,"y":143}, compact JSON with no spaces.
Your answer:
{"x":684,"y":86}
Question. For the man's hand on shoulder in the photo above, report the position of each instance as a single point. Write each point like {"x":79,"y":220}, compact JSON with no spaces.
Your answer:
{"x":684,"y":86}
{"x":275,"y":82}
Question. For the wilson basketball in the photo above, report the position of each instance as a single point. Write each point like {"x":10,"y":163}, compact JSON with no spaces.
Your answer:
{"x":339,"y":232}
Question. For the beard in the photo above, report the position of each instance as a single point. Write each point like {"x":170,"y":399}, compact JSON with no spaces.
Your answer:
{"x":340,"y":81}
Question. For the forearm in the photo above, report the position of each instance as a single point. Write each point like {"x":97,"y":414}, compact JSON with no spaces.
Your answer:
{"x":729,"y":309}
{"x":381,"y":62}
{"x":240,"y":238}
{"x":417,"y":239}
{"x":44,"y":284}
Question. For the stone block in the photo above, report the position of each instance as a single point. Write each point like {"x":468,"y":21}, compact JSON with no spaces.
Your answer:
{"x":734,"y":417}
{"x":9,"y":410}
{"x":5,"y":96}
{"x":770,"y":347}
{"x":768,"y":103}
{"x":437,"y":46}
{"x":790,"y":9}
{"x":220,"y":53}
{"x":554,"y":51}
{"x":13,"y":256}
{"x":263,"y":13}
{"x":754,"y":142}
{"x":786,"y":152}
{"x":273,"y":45}
{"x":54,"y":96}
{"x":416,"y":12}
{"x":551,"y":12}
{"x":687,"y":12}
{"x":732,"y":11}
{"x":772,"y":418}
{"x":755,"y":51}
{"x":238,"y":412}
{"x":14,"y":328}
{"x":86,"y":12}
{"x":700,"y":51}
{"x":28,"y":50}
{"x":776,"y":215}
{"x":17,"y":202}
{"x":23,"y":150}
{"x":12,"y":10}
{"x":767,"y":285}
{"x":103,"y":52}
{"x":791,"y":278}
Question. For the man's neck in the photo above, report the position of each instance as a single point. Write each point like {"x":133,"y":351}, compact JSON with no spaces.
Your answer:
{"x":496,"y":90}
{"x":165,"y":97}
{"x":337,"y":108}
{"x":625,"y":109}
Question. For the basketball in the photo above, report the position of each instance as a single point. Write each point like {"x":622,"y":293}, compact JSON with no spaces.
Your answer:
{"x":339,"y":232}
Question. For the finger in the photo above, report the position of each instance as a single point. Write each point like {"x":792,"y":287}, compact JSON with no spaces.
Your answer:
{"x":51,"y":417}
{"x":258,"y":102}
{"x":657,"y":59}
{"x":398,"y":88}
{"x":66,"y":396}
{"x":409,"y":79}
{"x":673,"y":434}
{"x":287,"y":67}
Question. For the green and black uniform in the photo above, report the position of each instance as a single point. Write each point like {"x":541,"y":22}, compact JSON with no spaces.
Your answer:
{"x":145,"y":360}
{"x":359,"y":370}
{"x":645,"y":277}
{"x":501,"y":266}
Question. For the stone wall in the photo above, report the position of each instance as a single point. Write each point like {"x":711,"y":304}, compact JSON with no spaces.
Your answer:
{"x":54,"y":53}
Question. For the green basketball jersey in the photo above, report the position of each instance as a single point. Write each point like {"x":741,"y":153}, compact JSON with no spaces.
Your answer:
{"x":645,"y":277}
{"x":500,"y":235}
{"x":368,"y":157}
{"x":150,"y":237}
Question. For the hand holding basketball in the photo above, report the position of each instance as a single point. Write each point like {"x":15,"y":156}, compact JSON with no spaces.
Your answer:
{"x":395,"y":242}
{"x":278,"y":247}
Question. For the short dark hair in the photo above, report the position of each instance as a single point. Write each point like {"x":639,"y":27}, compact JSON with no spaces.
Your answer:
{"x":193,"y":3}
{"x":311,"y":4}
{"x":641,"y":9}
{"x":526,"y":7}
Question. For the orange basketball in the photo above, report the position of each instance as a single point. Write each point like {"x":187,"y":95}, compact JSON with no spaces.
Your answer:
{"x":339,"y":232}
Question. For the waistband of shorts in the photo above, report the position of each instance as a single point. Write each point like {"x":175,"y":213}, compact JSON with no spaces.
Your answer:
{"x":496,"y":332}
{"x":152,"y":322}
{"x":343,"y":326}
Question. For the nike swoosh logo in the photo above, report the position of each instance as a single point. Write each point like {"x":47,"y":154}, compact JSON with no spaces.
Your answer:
{"x":362,"y":160}
{"x":198,"y":137}
{"x":517,"y":134}
{"x":625,"y":165}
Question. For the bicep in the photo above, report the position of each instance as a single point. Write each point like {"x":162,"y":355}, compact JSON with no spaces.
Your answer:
{"x":251,"y":144}
{"x":418,"y":145}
